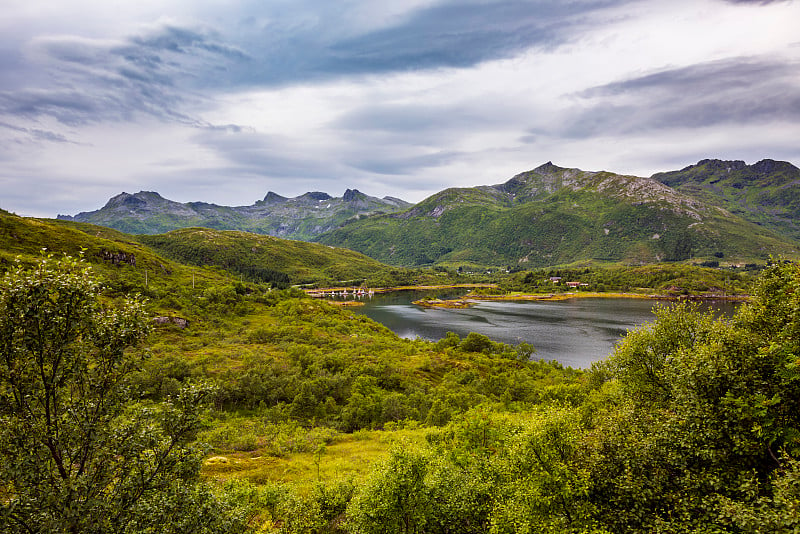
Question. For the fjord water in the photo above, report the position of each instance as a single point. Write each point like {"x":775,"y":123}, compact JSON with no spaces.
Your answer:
{"x":574,"y":332}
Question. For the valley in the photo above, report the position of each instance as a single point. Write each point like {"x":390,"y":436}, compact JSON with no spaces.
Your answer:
{"x":314,"y":409}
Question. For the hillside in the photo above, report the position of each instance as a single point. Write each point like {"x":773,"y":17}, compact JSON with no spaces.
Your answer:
{"x":767,"y":192}
{"x":553,"y":215}
{"x":262,"y":258}
{"x":302,"y":217}
{"x":159,"y":265}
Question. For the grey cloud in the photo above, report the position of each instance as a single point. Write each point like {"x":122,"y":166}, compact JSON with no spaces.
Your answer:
{"x":414,"y":119}
{"x":448,"y":34}
{"x":91,"y":81}
{"x":46,"y":135}
{"x":184,"y":41}
{"x":718,"y":76}
{"x":393,"y":165}
{"x":169,"y":70}
{"x":457,"y":35}
{"x":252,"y":153}
{"x":759,"y":2}
{"x":739,"y":90}
{"x":69,"y":107}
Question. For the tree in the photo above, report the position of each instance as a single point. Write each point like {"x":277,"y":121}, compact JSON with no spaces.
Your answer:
{"x":706,"y":432}
{"x":393,"y":499}
{"x":77,"y":452}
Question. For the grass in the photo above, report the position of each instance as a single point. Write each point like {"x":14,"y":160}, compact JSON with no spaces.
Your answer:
{"x":347,"y":456}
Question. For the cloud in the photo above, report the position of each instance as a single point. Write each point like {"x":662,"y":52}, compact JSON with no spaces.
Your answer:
{"x":170,"y":70}
{"x":420,"y":121}
{"x":395,"y":165}
{"x":460,"y":34}
{"x":97,"y":80}
{"x":731,"y":91}
{"x":756,"y":2}
{"x":38,"y":134}
{"x":246,"y":152}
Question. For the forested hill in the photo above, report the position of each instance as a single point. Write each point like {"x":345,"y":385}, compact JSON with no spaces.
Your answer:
{"x":767,"y":192}
{"x":302,"y":217}
{"x":553,"y":215}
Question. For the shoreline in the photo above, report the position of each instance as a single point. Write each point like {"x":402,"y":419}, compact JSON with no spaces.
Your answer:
{"x":469,"y":300}
{"x":610,"y":295}
{"x":323,"y":292}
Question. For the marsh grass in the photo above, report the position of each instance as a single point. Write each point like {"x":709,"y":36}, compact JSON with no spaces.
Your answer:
{"x":346,"y":456}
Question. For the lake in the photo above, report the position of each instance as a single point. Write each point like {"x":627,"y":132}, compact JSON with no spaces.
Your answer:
{"x":574,"y":332}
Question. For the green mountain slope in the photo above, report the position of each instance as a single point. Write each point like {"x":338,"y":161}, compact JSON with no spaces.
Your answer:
{"x":552,"y":215}
{"x":767,"y":192}
{"x":271,"y":259}
{"x":124,"y":265}
{"x":186,"y":258}
{"x":301,"y":217}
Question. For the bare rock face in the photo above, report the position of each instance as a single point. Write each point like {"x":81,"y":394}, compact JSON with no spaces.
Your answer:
{"x":180,"y":322}
{"x":118,"y":258}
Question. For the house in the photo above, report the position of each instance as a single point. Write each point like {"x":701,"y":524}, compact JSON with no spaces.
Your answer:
{"x":573,"y":285}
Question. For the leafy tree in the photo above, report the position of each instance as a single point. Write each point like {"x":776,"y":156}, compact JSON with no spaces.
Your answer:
{"x":543,"y":482}
{"x":77,"y":454}
{"x":394,"y":498}
{"x":706,"y":432}
{"x":475,"y":342}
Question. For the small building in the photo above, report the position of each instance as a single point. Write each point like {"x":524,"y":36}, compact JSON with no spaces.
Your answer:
{"x":555,"y":279}
{"x":573,"y":285}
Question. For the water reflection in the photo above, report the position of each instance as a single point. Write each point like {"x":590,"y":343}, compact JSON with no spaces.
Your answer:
{"x":574,"y":332}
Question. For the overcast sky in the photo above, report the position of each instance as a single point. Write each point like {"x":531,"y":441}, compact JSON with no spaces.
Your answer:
{"x":223,"y":101}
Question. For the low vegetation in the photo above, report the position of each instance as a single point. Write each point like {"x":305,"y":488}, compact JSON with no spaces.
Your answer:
{"x":279,"y":262}
{"x":668,"y":279}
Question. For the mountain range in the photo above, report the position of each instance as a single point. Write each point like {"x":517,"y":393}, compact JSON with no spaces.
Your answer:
{"x":303,"y":217}
{"x":553,"y":215}
{"x":725,"y":211}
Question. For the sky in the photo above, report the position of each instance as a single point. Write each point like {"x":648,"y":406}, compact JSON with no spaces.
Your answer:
{"x":223,"y":101}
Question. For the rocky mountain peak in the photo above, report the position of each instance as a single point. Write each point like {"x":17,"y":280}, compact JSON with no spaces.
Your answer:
{"x":272,"y":198}
{"x":351,"y":195}
{"x":137,"y":200}
{"x":548,"y":168}
{"x":768,"y":166}
{"x":315,"y":195}
{"x":718,"y":164}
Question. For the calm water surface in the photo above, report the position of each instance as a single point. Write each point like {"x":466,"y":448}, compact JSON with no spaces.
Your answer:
{"x":574,"y":332}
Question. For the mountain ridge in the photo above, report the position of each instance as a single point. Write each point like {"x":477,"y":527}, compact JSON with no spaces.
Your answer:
{"x":553,"y":215}
{"x":545,"y":216}
{"x":766,"y":192}
{"x":302,"y":217}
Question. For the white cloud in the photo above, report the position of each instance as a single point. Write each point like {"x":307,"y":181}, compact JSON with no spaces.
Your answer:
{"x":221,"y":103}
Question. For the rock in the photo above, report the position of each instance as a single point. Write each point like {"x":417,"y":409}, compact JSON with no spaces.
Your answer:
{"x":180,"y":322}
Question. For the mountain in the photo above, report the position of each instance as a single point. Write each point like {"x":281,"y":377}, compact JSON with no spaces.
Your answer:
{"x":767,"y":192}
{"x":553,"y":215}
{"x":302,"y":217}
